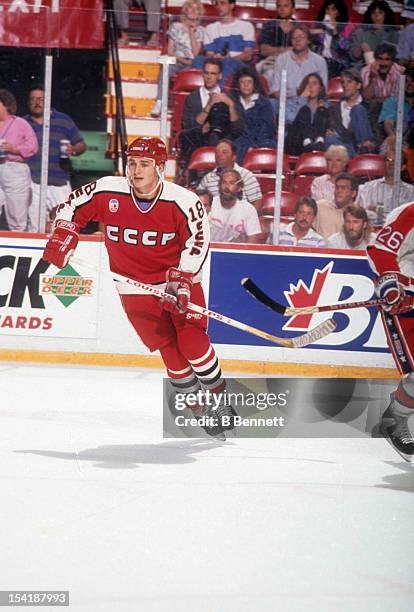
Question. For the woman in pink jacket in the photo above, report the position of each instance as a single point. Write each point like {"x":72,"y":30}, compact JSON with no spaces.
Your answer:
{"x":18,"y":142}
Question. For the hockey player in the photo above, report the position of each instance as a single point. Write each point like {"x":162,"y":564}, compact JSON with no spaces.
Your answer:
{"x":156,"y":232}
{"x":392,"y":259}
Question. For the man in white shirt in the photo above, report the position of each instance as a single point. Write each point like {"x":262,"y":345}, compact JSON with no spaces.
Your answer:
{"x":356,"y":232}
{"x":231,"y":218}
{"x":226,"y":160}
{"x":377,"y":196}
{"x":300,"y":231}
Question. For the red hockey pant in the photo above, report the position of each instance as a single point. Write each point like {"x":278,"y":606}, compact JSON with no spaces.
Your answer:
{"x":180,"y":338}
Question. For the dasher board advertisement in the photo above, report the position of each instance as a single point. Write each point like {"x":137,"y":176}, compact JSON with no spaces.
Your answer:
{"x":296,"y":278}
{"x":38,"y":299}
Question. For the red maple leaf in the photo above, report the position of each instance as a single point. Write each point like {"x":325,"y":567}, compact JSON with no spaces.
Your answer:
{"x":300,"y":295}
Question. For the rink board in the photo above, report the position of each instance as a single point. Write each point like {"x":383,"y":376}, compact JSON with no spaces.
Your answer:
{"x":75,"y":311}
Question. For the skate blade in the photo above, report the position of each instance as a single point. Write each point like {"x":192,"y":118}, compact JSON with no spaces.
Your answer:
{"x":231,"y":433}
{"x":221,"y":437}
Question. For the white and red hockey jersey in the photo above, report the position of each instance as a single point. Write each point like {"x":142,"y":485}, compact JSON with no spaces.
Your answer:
{"x":144,"y":237}
{"x":393,"y":250}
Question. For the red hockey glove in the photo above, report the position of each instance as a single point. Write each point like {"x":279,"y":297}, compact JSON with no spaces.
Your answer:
{"x":178,"y":287}
{"x":391,"y":287}
{"x":61,"y":243}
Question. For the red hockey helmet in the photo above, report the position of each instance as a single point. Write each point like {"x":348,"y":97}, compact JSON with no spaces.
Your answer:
{"x":150,"y":147}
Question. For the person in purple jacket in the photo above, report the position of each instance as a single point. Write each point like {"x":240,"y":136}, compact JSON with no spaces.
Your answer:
{"x":18,"y":142}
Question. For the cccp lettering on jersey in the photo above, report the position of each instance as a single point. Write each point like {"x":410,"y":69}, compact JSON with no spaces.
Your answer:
{"x":132,"y":235}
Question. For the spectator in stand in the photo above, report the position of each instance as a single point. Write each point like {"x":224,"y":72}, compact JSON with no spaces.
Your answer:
{"x":300,"y":231}
{"x":275,"y":36}
{"x":184,"y":42}
{"x":233,"y":219}
{"x":153,"y":11}
{"x":334,"y":35}
{"x":256,"y":111}
{"x":208,"y":114}
{"x":62,"y":127}
{"x":308,"y":130}
{"x":388,"y":115}
{"x":348,"y":119}
{"x":330,"y":218}
{"x":323,"y":187}
{"x":378,"y":27}
{"x":231,"y":40}
{"x":356,"y":231}
{"x":298,"y":63}
{"x":380,"y":80}
{"x":376,"y":196}
{"x":226,"y":160}
{"x":405,"y":48}
{"x":17,"y":144}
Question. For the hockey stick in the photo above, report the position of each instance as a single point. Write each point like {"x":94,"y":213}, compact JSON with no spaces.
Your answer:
{"x":320,"y":331}
{"x":260,"y":295}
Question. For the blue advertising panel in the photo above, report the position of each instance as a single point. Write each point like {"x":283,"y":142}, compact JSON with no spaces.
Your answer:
{"x":295,"y":278}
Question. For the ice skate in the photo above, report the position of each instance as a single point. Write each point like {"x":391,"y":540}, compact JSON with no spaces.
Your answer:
{"x":216,"y":423}
{"x":395,"y":430}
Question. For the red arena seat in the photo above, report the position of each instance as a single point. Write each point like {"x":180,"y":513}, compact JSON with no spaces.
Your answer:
{"x":287,"y":203}
{"x":303,"y":14}
{"x":368,"y":166}
{"x":263,"y":160}
{"x":188,"y":80}
{"x":334,"y":91}
{"x":252,"y":13}
{"x":201,"y":159}
{"x":313,"y":162}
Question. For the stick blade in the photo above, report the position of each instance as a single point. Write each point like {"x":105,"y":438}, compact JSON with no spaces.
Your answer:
{"x":315,"y":334}
{"x":257,"y":293}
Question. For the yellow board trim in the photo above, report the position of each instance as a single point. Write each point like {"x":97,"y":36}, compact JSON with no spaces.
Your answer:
{"x":228,"y":365}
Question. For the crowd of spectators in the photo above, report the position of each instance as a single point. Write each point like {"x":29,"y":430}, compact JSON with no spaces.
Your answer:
{"x":237,"y":111}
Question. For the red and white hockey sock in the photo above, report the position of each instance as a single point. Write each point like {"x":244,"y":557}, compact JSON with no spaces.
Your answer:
{"x":404,"y":397}
{"x":208,"y":371}
{"x":181,"y":374}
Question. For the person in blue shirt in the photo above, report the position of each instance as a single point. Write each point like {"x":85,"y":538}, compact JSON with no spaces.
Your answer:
{"x":65,"y":140}
{"x":388,"y":115}
{"x":256,"y":111}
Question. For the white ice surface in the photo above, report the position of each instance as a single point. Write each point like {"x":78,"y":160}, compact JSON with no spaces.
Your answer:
{"x":93,"y":500}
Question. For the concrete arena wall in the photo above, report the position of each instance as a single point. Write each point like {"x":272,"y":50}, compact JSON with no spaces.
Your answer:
{"x":76,"y":317}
